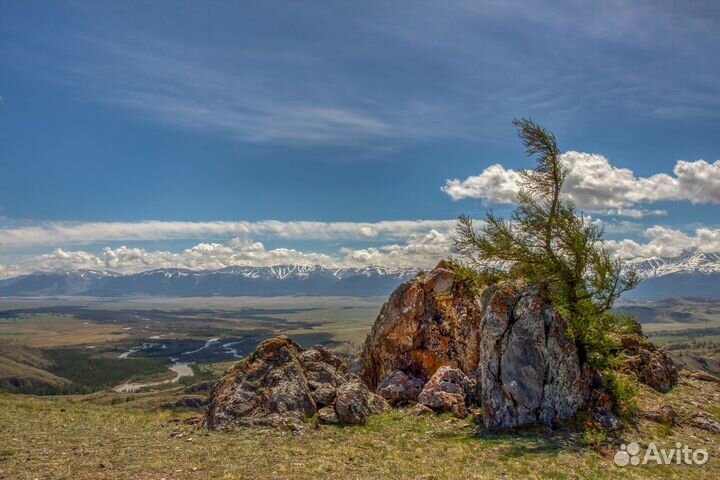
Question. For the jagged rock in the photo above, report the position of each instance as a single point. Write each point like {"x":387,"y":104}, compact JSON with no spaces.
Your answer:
{"x":449,"y":390}
{"x":428,"y":322}
{"x":508,"y":340}
{"x":528,"y":371}
{"x":703,"y":422}
{"x":650,"y":363}
{"x":665,"y":414}
{"x":399,"y":388}
{"x":354,"y":403}
{"x":281,"y":384}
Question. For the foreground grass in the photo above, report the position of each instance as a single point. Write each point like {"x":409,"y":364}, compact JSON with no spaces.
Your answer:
{"x":73,"y":438}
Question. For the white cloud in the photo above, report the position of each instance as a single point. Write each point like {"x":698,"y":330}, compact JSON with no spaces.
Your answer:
{"x":495,"y":184}
{"x":420,"y":250}
{"x":667,"y":242}
{"x":635,"y":212}
{"x":202,"y":256}
{"x":69,"y":233}
{"x":597,"y":186}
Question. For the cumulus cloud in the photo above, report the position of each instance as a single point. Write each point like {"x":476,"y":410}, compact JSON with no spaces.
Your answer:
{"x":595,"y":185}
{"x":667,"y":242}
{"x":202,"y":256}
{"x":495,"y":184}
{"x":73,"y":233}
{"x":420,"y":250}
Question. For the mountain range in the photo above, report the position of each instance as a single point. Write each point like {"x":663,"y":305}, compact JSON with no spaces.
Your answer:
{"x":692,"y":274}
{"x":230,"y":281}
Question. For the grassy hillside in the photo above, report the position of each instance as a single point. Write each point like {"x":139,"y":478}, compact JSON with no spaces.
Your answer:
{"x":25,"y":369}
{"x":76,"y":438}
{"x":22,"y":368}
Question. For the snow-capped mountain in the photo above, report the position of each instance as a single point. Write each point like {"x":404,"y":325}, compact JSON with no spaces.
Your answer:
{"x":692,"y":274}
{"x":230,"y":281}
{"x":689,"y":262}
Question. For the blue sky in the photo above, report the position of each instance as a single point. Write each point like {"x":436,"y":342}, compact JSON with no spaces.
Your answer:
{"x":187,"y":114}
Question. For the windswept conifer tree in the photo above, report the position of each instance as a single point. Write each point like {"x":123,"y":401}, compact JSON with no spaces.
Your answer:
{"x":548,"y":242}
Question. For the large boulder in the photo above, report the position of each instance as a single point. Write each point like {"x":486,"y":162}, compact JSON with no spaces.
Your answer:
{"x":529,"y":370}
{"x":428,"y":322}
{"x":281,"y":384}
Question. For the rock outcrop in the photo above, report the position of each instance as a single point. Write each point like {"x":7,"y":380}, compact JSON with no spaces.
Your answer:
{"x":428,"y":322}
{"x":508,"y":340}
{"x":529,"y":370}
{"x":281,"y":384}
{"x":650,"y":363}
{"x":703,"y":421}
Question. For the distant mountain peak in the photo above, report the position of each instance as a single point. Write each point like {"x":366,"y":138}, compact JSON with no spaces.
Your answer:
{"x":690,"y":261}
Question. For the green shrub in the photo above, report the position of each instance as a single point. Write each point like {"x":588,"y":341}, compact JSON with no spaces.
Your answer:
{"x":624,"y":387}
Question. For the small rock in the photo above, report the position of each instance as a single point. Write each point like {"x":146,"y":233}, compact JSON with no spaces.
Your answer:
{"x":399,"y":388}
{"x":607,"y":419}
{"x":328,"y":415}
{"x":650,"y":363}
{"x":324,"y":395}
{"x":420,"y":409}
{"x":665,"y":414}
{"x":447,"y":391}
{"x":354,"y":403}
{"x":703,"y":422}
{"x":704,"y":376}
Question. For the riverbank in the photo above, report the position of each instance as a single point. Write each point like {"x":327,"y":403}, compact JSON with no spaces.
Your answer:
{"x":181,"y":370}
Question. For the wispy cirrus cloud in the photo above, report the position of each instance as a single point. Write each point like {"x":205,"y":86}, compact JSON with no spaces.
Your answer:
{"x":258,"y":97}
{"x":387,"y":73}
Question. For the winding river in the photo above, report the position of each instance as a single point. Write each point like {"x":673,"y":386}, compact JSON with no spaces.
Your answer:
{"x":181,"y":369}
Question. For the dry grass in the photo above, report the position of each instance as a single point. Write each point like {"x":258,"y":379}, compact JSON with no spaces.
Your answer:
{"x":48,"y":331}
{"x":72,"y":438}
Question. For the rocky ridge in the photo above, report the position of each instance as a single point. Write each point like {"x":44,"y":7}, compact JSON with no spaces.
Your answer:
{"x":506,"y":349}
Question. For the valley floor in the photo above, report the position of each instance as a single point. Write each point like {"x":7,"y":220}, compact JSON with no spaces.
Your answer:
{"x":74,"y":438}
